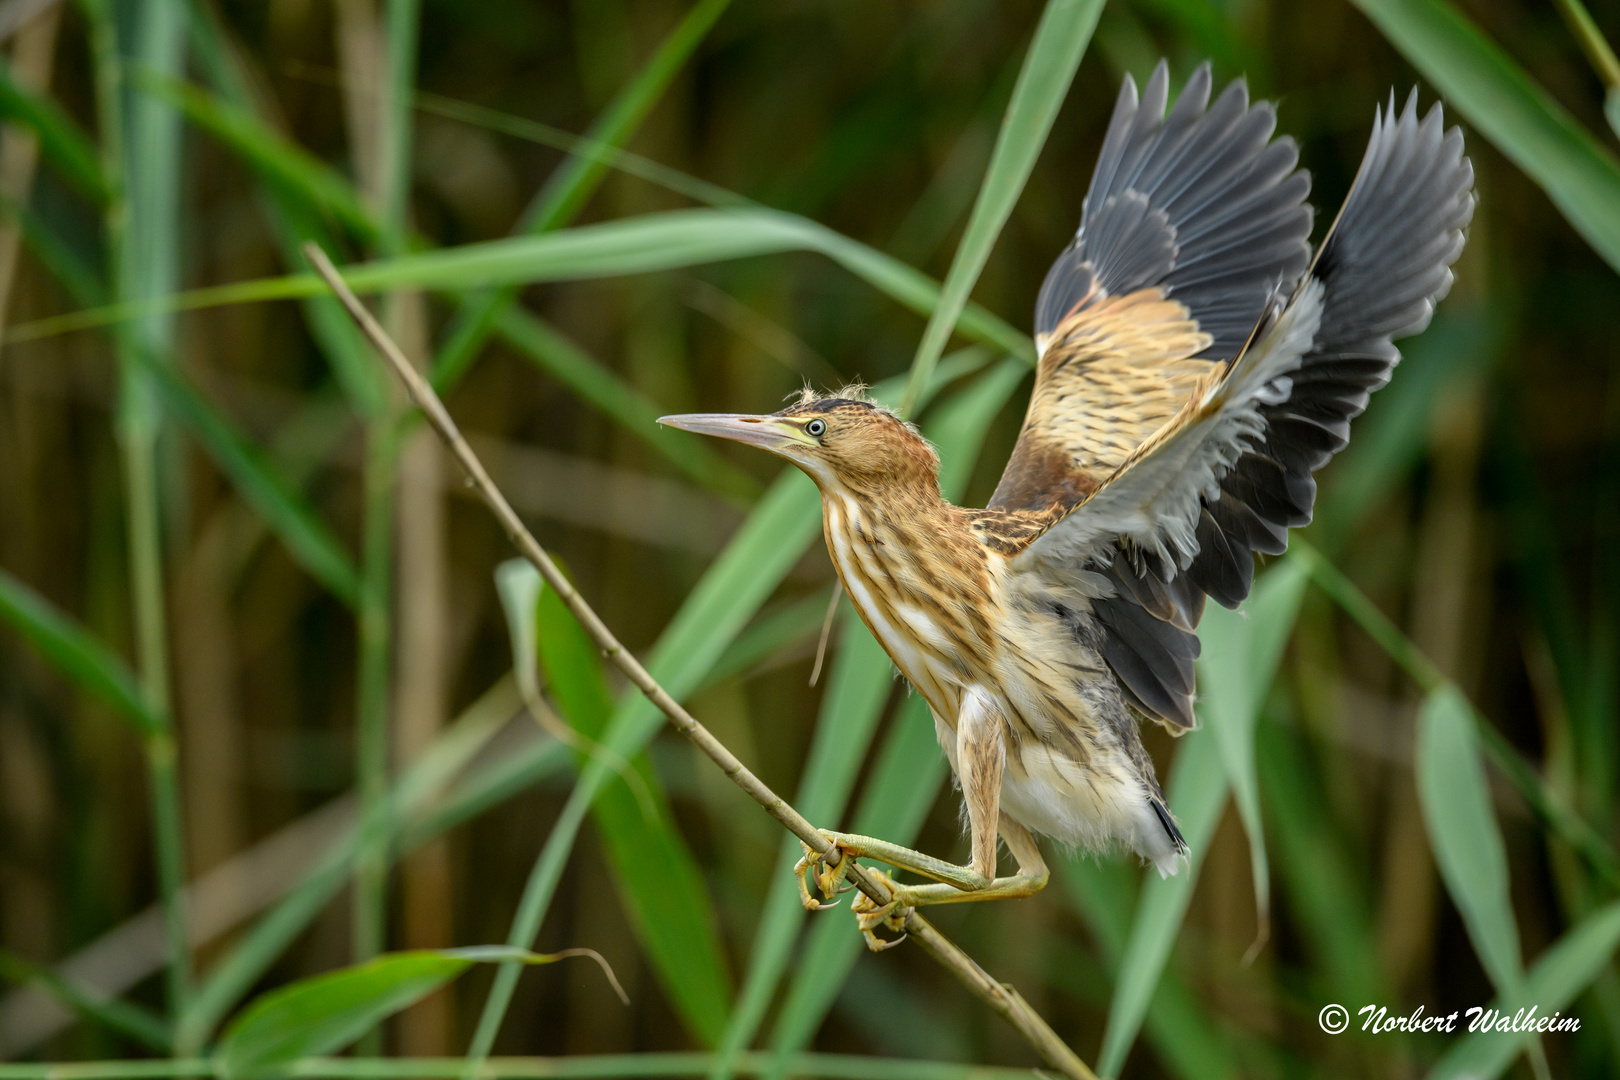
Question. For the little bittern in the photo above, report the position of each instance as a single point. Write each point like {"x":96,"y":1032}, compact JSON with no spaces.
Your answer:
{"x":1197,"y":365}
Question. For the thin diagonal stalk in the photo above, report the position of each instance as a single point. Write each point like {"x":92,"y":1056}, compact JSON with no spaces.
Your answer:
{"x":1002,"y":998}
{"x":139,"y":273}
{"x":1592,"y":42}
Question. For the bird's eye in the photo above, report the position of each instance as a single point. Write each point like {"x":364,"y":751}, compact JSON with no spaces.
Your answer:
{"x":817,"y":428}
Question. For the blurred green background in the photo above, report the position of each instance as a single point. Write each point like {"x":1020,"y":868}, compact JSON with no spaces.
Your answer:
{"x":253,"y":640}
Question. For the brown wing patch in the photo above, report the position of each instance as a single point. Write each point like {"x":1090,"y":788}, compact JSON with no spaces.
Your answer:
{"x":1007,"y":532}
{"x":1113,"y":372}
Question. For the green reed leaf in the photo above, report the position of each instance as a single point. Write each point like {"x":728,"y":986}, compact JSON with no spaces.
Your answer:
{"x":74,"y":652}
{"x":1464,"y":833}
{"x":1560,"y":974}
{"x":1240,"y":654}
{"x":1518,"y":116}
{"x":64,"y":144}
{"x":645,"y":244}
{"x":1197,"y":793}
{"x":657,"y":875}
{"x":326,"y":1013}
{"x":1043,"y":82}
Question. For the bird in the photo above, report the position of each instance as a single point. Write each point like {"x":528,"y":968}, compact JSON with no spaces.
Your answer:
{"x":1197,"y":362}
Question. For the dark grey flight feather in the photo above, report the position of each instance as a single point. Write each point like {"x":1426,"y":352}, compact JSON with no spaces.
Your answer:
{"x":1202,"y":203}
{"x":1385,"y":263}
{"x":1199,"y":201}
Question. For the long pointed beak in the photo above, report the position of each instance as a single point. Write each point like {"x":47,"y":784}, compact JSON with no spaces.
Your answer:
{"x":767,"y":432}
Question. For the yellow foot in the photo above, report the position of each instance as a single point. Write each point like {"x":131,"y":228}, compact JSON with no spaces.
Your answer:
{"x":827,"y":868}
{"x":869,"y":914}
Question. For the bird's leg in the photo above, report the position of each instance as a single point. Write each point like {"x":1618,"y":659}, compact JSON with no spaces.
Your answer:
{"x":1030,"y":879}
{"x":980,"y":761}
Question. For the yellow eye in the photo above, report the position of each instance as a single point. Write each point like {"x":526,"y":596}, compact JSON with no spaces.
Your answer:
{"x":817,"y":428}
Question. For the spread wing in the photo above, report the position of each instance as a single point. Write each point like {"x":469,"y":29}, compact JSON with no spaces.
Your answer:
{"x":1191,"y":220}
{"x":1230,"y":472}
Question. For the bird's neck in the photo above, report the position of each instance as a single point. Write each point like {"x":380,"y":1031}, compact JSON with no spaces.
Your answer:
{"x":904,"y":541}
{"x":919,"y":579}
{"x":907,"y":501}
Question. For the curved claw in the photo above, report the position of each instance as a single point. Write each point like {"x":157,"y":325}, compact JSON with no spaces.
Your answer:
{"x":869,"y":915}
{"x":829,"y":877}
{"x":877,"y":944}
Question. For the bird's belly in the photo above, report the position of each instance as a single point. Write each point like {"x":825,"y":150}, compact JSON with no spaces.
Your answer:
{"x":1094,"y":803}
{"x":1073,"y":768}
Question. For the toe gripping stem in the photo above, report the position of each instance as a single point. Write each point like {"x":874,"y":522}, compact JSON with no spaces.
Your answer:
{"x":869,"y":914}
{"x":827,"y":869}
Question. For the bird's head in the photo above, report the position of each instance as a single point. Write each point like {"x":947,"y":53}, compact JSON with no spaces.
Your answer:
{"x":843,"y":441}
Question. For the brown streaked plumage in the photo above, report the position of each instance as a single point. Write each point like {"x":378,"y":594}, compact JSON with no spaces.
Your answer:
{"x":1197,"y":364}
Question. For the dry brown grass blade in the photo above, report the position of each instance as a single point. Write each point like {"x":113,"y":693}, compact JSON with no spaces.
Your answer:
{"x":1001,"y":998}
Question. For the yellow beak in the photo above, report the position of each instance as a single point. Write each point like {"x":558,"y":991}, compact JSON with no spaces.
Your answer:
{"x":771,"y":433}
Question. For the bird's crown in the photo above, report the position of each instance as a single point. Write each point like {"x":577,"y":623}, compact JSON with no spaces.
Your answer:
{"x":863,"y":436}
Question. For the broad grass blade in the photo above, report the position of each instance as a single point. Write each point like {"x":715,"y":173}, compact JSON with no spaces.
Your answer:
{"x":651,"y":242}
{"x":74,"y":652}
{"x":1560,"y":974}
{"x":1197,"y":792}
{"x":658,"y":877}
{"x":1464,"y":833}
{"x":1509,"y":108}
{"x":1240,"y":654}
{"x":1043,"y":82}
{"x":1183,"y":1036}
{"x":324,"y":1014}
